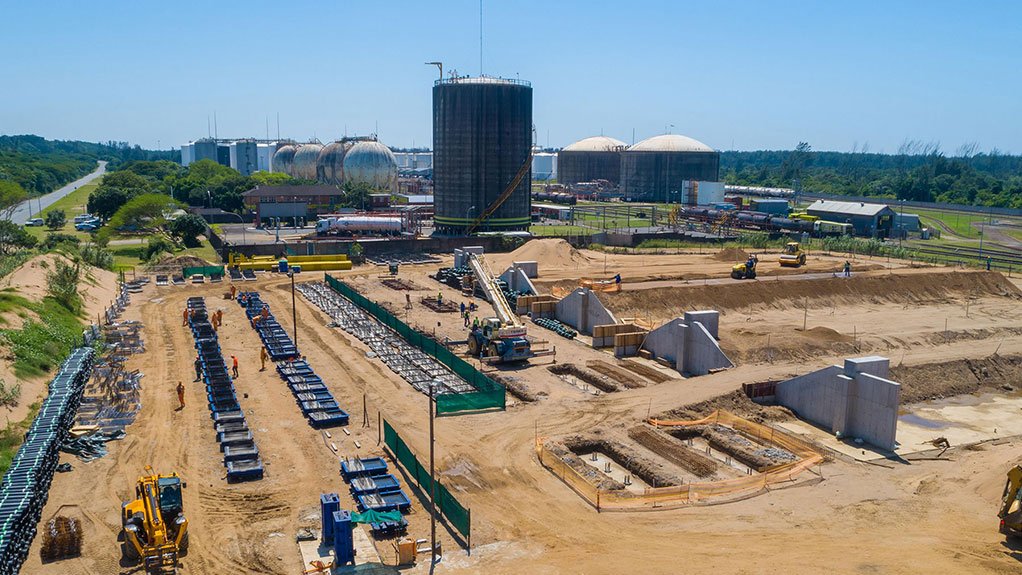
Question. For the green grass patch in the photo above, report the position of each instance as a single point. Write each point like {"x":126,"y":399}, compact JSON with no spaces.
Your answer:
{"x":39,"y":346}
{"x":13,"y":436}
{"x":73,"y":204}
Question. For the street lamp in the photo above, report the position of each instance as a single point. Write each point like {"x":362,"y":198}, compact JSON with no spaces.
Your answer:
{"x":439,"y":65}
{"x":468,"y":216}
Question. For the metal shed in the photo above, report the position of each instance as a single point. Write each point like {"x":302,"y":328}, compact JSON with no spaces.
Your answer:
{"x":868,"y":220}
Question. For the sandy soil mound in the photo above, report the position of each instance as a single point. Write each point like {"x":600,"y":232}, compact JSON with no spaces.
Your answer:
{"x":917,"y":288}
{"x":98,"y":288}
{"x":950,"y":378}
{"x":548,"y":251}
{"x":736,"y":255}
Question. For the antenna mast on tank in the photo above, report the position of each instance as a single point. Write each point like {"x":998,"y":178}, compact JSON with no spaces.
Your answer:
{"x":480,"y":37}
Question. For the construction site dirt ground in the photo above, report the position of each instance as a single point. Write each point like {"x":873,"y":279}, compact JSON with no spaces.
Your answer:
{"x":937,"y":516}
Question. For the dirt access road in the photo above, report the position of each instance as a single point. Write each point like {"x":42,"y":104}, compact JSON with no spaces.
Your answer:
{"x":932,"y":515}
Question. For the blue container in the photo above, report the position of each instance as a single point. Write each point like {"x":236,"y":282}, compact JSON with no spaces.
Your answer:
{"x":328,"y":503}
{"x":282,"y":266}
{"x":344,"y":542}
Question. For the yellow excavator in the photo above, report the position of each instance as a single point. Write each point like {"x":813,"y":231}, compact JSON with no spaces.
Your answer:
{"x":155,"y":530}
{"x":1010,"y":512}
{"x":794,"y":256}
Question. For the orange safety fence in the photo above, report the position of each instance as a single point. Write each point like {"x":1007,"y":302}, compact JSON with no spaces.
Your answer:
{"x":690,"y":493}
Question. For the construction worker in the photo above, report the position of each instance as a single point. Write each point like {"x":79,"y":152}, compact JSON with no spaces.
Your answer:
{"x":181,"y":395}
{"x":265,"y":313}
{"x":263,"y":356}
{"x":234,"y":369}
{"x":439,"y":299}
{"x":462,"y":308}
{"x":848,"y":269}
{"x":184,"y":317}
{"x":219,"y":317}
{"x":475,"y":323}
{"x":198,"y":368}
{"x":464,"y":316}
{"x":234,"y":292}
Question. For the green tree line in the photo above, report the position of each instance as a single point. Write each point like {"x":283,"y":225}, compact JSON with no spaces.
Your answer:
{"x":918,"y":172}
{"x":40,"y":166}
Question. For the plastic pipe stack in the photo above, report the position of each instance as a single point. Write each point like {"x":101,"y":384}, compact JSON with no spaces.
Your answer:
{"x":25,"y":487}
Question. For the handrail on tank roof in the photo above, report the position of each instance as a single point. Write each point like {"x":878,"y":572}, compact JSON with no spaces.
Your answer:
{"x":482,"y":80}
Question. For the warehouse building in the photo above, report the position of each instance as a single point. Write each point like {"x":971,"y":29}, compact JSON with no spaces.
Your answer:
{"x":291,"y":202}
{"x":868,"y":220}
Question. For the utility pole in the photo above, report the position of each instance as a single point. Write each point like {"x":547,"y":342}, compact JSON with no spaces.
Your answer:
{"x":432,"y":478}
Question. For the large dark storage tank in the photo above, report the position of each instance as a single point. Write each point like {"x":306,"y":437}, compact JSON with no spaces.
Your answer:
{"x":595,"y":158}
{"x":654,"y":169}
{"x":482,"y":136}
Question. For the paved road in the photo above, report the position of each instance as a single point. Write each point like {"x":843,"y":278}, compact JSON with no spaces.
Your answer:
{"x":22,"y":212}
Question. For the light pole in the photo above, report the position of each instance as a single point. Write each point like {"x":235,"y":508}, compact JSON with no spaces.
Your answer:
{"x":432,"y":479}
{"x":901,"y":222}
{"x":468,"y":217}
{"x":210,"y":199}
{"x":294,"y":310}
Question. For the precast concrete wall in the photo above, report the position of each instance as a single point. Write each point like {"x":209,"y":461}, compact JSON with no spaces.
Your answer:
{"x":582,"y":310}
{"x":855,"y":400}
{"x":702,"y":352}
{"x":691,"y":346}
{"x":518,"y":280}
{"x":708,"y":317}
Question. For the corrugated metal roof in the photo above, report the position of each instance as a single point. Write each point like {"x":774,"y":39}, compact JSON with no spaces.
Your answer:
{"x":850,"y":208}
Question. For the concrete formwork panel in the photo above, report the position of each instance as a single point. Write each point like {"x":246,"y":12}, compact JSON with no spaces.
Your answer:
{"x":518,"y":280}
{"x":873,"y":413}
{"x":582,"y":310}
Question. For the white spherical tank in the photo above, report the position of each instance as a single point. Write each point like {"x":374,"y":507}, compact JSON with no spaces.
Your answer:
{"x":371,"y":163}
{"x":283,"y":160}
{"x":305,"y":161}
{"x":330,"y":165}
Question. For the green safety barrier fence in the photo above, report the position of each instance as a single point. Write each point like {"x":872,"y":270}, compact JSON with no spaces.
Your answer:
{"x":204,"y":270}
{"x":488,"y":393}
{"x":447,"y":505}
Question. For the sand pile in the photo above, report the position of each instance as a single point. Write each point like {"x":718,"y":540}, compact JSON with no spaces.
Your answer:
{"x":736,"y":255}
{"x":549,"y":252}
{"x":916,"y":288}
{"x":98,"y":288}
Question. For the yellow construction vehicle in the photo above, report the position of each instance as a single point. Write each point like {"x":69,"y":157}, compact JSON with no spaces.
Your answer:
{"x":155,"y":530}
{"x":1010,"y":512}
{"x":793,"y":255}
{"x":745,"y":271}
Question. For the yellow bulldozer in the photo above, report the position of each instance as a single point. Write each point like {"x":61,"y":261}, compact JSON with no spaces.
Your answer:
{"x":1010,"y":512}
{"x":794,"y":256}
{"x":155,"y":531}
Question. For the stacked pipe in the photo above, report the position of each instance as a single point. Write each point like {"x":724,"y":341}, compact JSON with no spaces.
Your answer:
{"x":555,"y":326}
{"x":313,"y":398}
{"x":241,"y":456}
{"x":25,"y":487}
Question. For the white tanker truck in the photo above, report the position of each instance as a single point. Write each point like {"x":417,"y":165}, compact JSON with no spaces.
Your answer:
{"x":359,"y":225}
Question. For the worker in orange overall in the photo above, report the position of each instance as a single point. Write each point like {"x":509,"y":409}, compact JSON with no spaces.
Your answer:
{"x":234,"y":292}
{"x":265,"y":313}
{"x":263,"y":356}
{"x":181,"y":395}
{"x":184,"y":317}
{"x":234,"y":369}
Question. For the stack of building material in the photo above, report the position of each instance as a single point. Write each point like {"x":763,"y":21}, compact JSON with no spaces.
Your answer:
{"x":241,"y":456}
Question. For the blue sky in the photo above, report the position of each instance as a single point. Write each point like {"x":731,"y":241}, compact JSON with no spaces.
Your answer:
{"x":736,"y":75}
